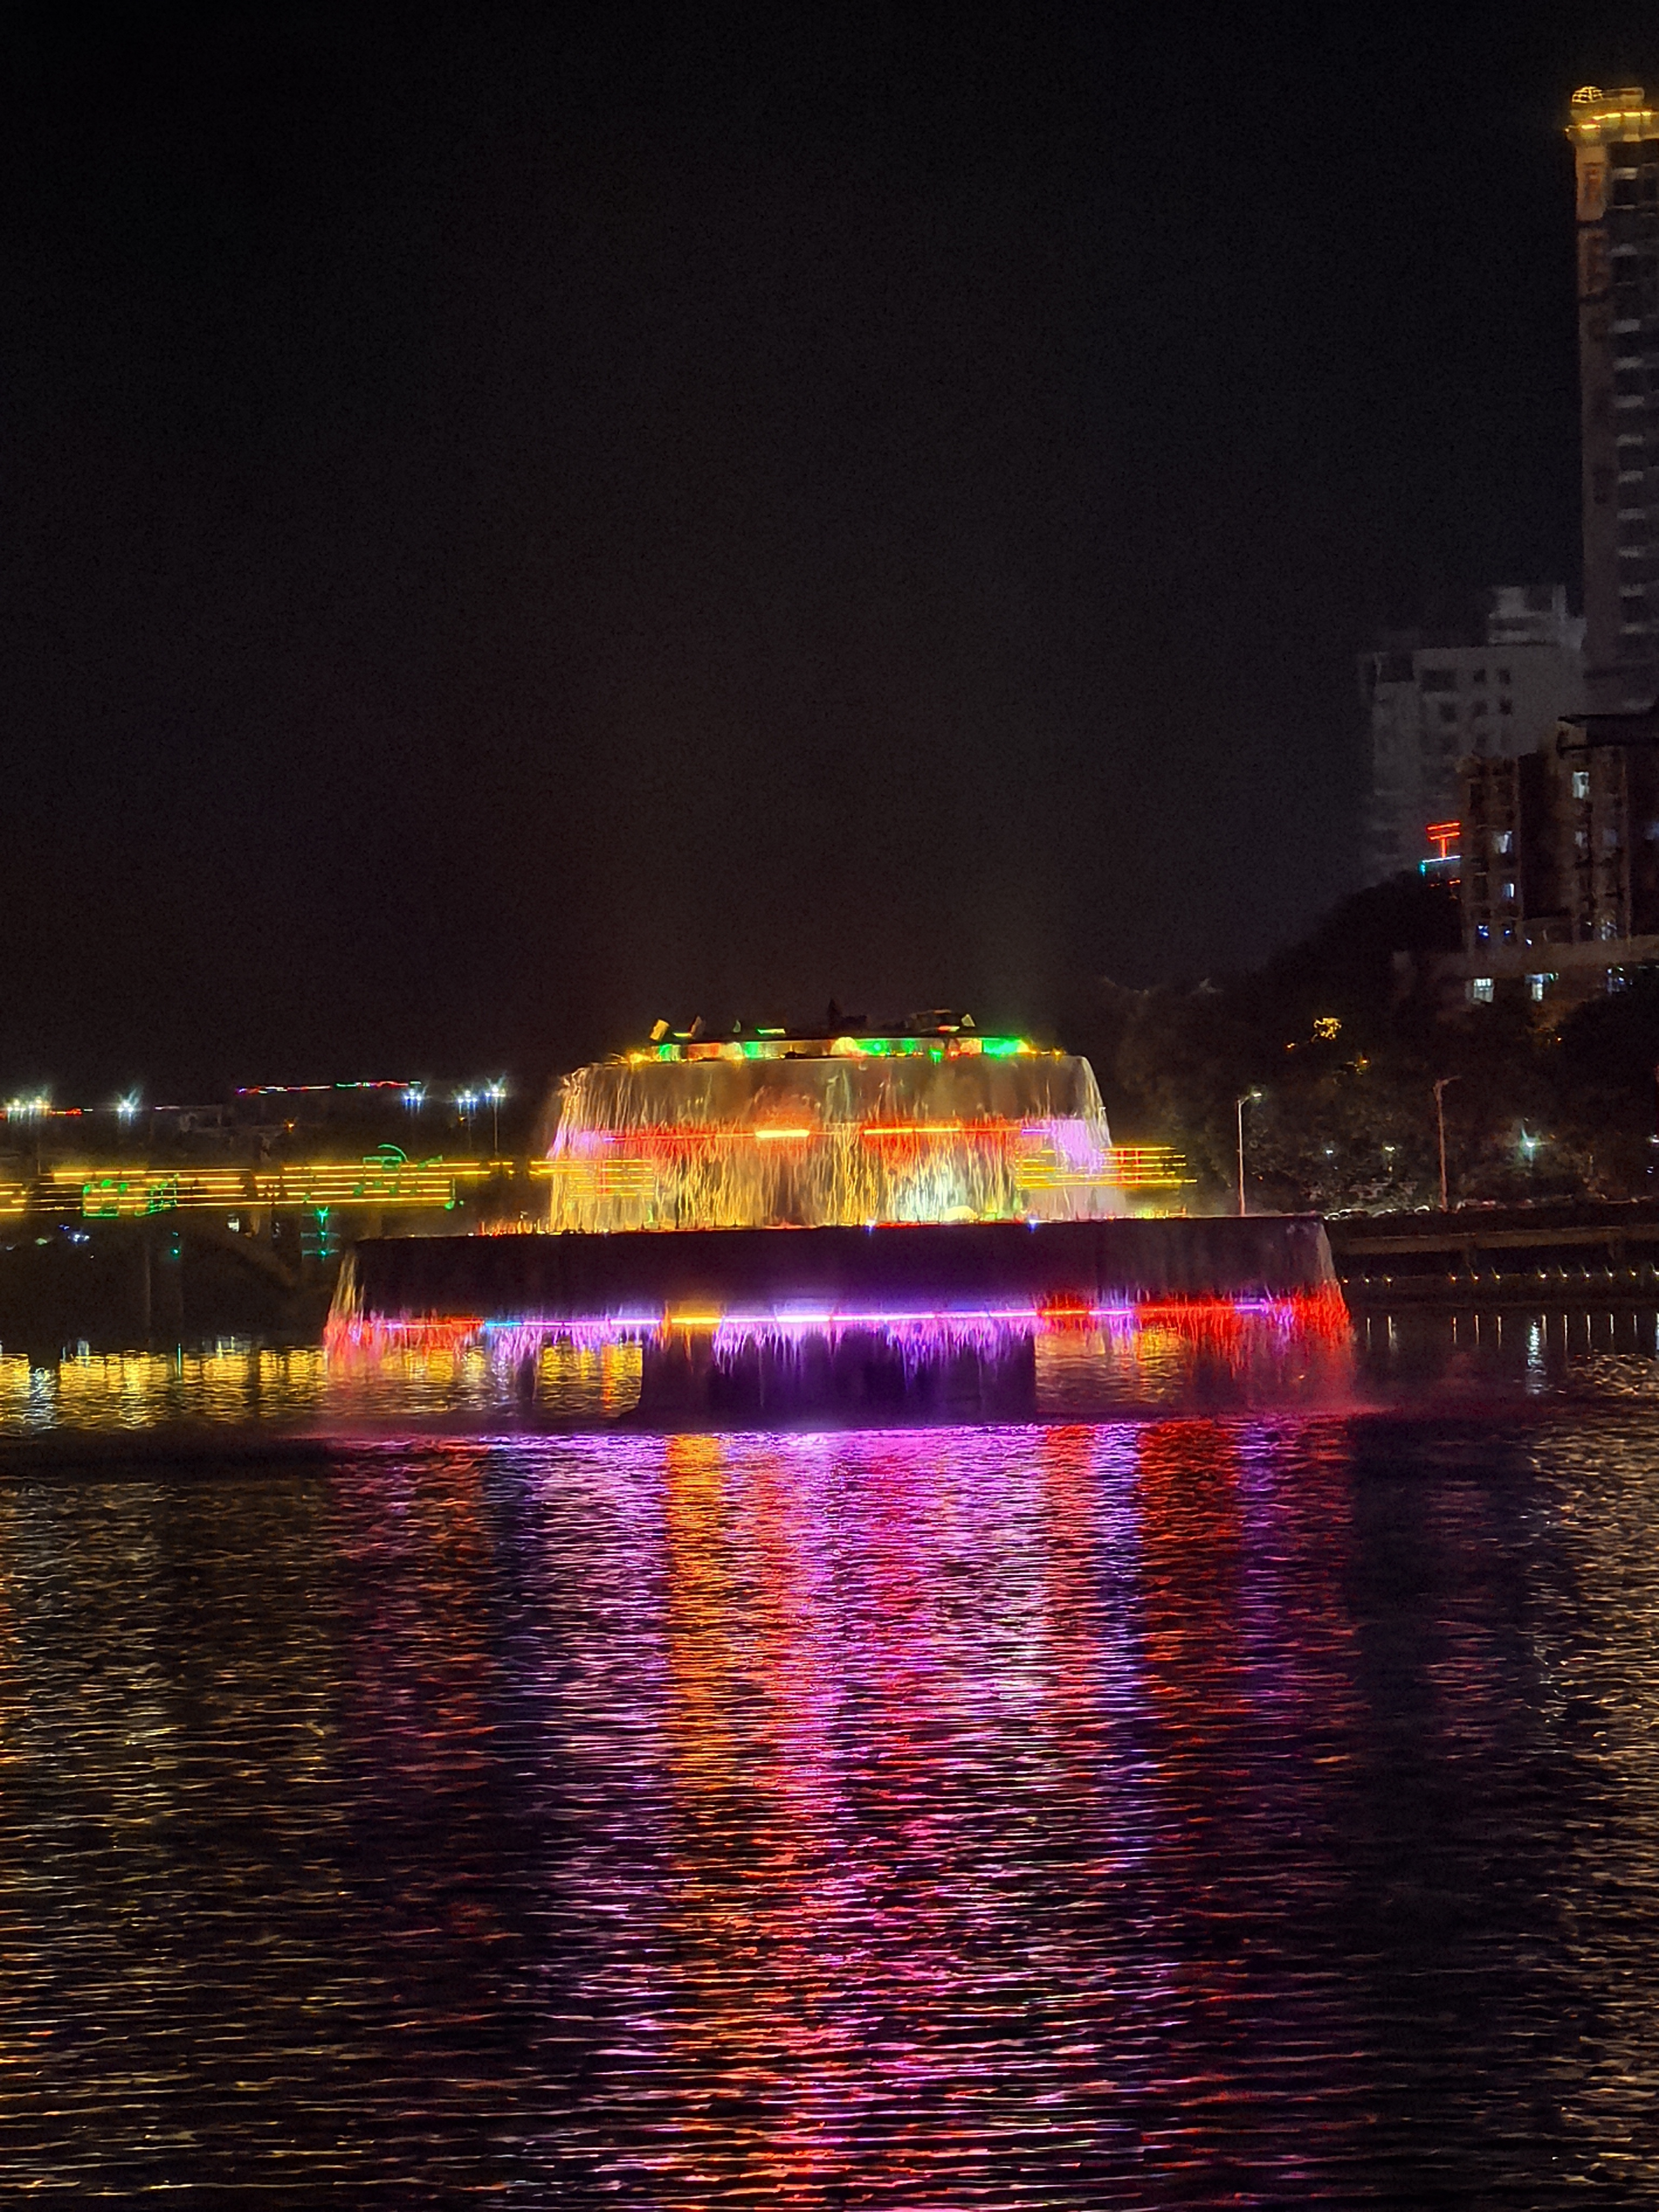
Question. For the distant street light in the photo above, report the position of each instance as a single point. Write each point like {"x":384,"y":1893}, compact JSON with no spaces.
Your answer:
{"x":495,"y":1093}
{"x":1246,"y":1098}
{"x":1440,"y":1128}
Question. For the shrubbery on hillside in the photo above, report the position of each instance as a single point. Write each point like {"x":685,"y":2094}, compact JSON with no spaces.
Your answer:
{"x":1344,"y":1036}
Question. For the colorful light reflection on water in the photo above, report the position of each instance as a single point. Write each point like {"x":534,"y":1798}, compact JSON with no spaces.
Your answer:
{"x":462,"y":1371}
{"x":446,"y":1377}
{"x":1181,"y":1812}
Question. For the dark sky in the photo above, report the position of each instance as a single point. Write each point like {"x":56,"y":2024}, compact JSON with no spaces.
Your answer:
{"x":519,"y":520}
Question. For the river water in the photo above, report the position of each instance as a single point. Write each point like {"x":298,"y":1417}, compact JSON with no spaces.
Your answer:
{"x":407,"y":1798}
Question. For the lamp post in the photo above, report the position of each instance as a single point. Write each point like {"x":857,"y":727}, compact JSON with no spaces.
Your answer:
{"x":1245,"y":1098}
{"x":496,"y":1092}
{"x":1440,"y":1130}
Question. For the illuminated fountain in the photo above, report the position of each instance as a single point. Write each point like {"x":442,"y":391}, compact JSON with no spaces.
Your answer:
{"x":774,"y":1132}
{"x":793,"y":1225}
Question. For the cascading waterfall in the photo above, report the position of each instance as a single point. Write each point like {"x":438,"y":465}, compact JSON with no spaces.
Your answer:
{"x":835,"y":1132}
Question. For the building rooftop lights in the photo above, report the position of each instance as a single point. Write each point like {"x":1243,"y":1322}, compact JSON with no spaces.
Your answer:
{"x":1625,"y":112}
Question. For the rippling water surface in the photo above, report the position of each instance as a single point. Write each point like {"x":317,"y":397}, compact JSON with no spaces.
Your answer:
{"x":1186,"y":1811}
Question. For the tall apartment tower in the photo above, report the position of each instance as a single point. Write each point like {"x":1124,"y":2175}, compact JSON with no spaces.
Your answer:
{"x":1615,"y":138}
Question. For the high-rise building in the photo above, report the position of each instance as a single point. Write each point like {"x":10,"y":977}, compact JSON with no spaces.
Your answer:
{"x":1497,"y":688}
{"x":1559,"y":847}
{"x":1560,"y":861}
{"x":1615,"y":137}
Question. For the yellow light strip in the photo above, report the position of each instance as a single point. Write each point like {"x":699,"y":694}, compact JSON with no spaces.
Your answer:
{"x":105,"y":1192}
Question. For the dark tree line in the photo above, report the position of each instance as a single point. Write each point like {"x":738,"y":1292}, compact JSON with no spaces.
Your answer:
{"x":1341,"y":1039}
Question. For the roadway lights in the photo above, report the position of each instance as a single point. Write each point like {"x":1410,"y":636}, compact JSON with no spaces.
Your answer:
{"x":1441,"y":1088}
{"x":1246,"y":1098}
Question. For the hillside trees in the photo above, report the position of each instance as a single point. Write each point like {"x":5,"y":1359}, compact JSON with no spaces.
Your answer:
{"x":1342,"y":1037}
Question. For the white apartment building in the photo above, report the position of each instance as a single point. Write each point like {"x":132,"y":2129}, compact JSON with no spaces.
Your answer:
{"x":1434,"y":701}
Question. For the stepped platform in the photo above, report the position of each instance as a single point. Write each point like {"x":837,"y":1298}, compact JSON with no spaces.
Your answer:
{"x":934,"y":1318}
{"x":910,"y":1268}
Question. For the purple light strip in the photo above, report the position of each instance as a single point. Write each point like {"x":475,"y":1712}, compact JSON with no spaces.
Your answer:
{"x":524,"y":1334}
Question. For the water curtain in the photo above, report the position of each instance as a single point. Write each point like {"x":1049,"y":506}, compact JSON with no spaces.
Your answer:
{"x":727,"y":1141}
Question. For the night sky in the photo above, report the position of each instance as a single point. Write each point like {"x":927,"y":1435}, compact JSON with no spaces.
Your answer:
{"x":522,"y":521}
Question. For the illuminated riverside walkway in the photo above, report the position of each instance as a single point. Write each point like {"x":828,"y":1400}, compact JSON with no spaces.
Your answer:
{"x":133,"y":1190}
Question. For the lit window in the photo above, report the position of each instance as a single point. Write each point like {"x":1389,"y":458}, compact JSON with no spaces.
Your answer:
{"x":1538,"y":984}
{"x":1503,"y":841}
{"x":1506,"y":890}
{"x":1581,"y":783}
{"x":1482,"y":932}
{"x":1481,"y":991}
